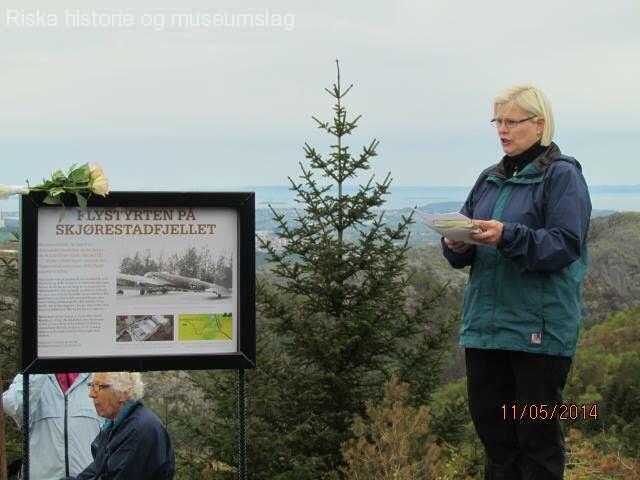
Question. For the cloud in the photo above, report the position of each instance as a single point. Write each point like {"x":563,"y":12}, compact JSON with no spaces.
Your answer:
{"x":422,"y":70}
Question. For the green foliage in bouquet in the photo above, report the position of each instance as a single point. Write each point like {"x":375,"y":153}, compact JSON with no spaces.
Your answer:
{"x":80,"y":181}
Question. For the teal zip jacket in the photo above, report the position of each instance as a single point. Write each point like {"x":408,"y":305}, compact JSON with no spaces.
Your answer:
{"x":525,"y":295}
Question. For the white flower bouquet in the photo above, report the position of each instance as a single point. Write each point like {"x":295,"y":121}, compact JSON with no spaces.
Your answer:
{"x":82,"y":181}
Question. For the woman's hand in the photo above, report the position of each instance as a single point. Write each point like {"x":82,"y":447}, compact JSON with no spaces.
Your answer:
{"x":491,"y":232}
{"x":458,"y":247}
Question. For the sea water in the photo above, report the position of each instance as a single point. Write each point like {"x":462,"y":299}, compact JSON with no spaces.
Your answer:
{"x":623,"y":198}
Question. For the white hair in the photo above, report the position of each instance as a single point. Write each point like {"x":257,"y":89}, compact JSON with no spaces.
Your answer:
{"x":532,"y":100}
{"x":126,"y":382}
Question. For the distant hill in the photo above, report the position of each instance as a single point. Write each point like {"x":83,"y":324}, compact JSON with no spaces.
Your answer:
{"x":420,"y":233}
{"x":441,"y":207}
{"x":429,"y":260}
{"x":613,"y":278}
{"x":601,"y":213}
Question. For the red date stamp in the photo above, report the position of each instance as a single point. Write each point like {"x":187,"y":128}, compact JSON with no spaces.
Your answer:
{"x":543,"y":411}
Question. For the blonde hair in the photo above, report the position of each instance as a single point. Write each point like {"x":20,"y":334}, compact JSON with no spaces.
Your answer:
{"x":126,"y":382}
{"x":533,"y":101}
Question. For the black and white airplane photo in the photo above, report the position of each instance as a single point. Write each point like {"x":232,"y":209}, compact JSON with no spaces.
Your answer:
{"x":166,"y":288}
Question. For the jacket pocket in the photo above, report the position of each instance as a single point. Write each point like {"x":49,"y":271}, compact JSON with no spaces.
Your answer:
{"x":519,"y":312}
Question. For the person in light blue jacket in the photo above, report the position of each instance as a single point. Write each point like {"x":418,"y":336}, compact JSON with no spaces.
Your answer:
{"x":62,"y":422}
{"x":523,"y":301}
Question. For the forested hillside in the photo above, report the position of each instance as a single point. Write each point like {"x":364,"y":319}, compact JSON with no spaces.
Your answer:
{"x":606,"y":373}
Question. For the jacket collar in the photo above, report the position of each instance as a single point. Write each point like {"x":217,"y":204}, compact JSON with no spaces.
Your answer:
{"x":127,"y":408}
{"x":82,"y":377}
{"x":534,"y":168}
{"x":534,"y":171}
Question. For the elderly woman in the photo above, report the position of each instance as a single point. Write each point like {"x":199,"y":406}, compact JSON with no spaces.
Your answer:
{"x":133,"y":443}
{"x":522,"y":303}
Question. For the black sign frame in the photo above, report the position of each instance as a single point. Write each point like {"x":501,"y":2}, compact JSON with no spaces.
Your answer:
{"x":244,"y":357}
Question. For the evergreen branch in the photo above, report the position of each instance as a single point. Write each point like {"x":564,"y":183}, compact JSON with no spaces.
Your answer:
{"x":344,"y":94}
{"x":321,"y":125}
{"x":335,"y":93}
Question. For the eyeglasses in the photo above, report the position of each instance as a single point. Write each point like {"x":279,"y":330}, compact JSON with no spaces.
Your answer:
{"x":507,"y":122}
{"x":96,"y":387}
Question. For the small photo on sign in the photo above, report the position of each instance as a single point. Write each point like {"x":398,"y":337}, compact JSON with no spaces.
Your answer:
{"x":144,"y":328}
{"x":205,"y":326}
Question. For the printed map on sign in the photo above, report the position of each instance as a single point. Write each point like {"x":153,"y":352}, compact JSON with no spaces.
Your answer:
{"x":205,"y":326}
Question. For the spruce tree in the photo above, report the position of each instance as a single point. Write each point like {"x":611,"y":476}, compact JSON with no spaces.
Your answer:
{"x":339,"y":302}
{"x":334,"y":322}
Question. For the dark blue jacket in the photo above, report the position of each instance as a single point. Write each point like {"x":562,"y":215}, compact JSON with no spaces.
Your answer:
{"x":136,"y":447}
{"x":525,"y":294}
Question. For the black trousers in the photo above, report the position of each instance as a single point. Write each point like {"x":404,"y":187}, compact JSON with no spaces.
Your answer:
{"x":501,"y":386}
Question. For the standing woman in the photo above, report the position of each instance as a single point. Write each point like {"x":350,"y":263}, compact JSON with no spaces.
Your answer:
{"x":522,"y":303}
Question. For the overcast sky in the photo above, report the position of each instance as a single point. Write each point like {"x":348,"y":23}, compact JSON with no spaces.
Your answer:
{"x":164,"y":105}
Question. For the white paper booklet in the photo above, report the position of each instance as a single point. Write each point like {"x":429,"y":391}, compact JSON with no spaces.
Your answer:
{"x":454,"y":226}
